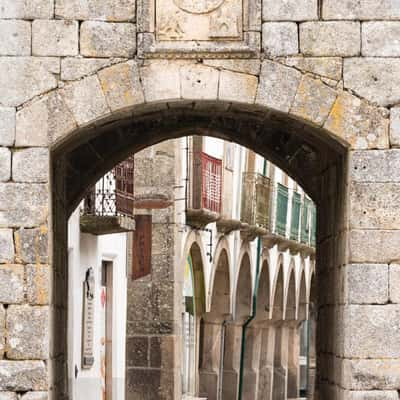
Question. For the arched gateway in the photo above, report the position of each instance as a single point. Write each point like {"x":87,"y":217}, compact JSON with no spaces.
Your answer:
{"x":220,"y":82}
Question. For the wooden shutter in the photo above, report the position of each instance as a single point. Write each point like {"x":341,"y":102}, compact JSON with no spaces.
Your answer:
{"x":124,"y":186}
{"x":281,"y":209}
{"x":295,"y":223}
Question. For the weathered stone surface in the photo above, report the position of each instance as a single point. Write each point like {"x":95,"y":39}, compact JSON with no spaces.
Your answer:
{"x":362,"y":9}
{"x":55,"y":38}
{"x":375,"y":166}
{"x":330,"y":38}
{"x":395,"y":127}
{"x":22,"y":78}
{"x":31,"y":165}
{"x":278,"y":86}
{"x":371,"y":374}
{"x":237,"y":87}
{"x":35,"y":396}
{"x":7,"y":126}
{"x":394,"y":283}
{"x":23,"y":375}
{"x":117,"y":10}
{"x":372,"y":395}
{"x":74,"y":68}
{"x":374,"y":246}
{"x":27,"y":9}
{"x":6,"y":246}
{"x":2,"y":332}
{"x":8,"y":396}
{"x":290,"y":10}
{"x":251,"y":67}
{"x":27,"y":332}
{"x":105,"y":39}
{"x":11,"y":284}
{"x":376,"y":79}
{"x":38,"y":283}
{"x":32,"y":245}
{"x":121,"y":85}
{"x":161,"y":80}
{"x":5,"y":164}
{"x":23,"y":204}
{"x":358,"y":123}
{"x":48,"y":118}
{"x":328,"y":67}
{"x":374,"y":205}
{"x":280,"y":38}
{"x":380,"y":39}
{"x":199,"y":82}
{"x":313,"y":101}
{"x":372,"y":331}
{"x":367,"y":283}
{"x":86,"y":100}
{"x":15,"y":38}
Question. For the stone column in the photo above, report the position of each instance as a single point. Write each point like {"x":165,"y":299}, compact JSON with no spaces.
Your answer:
{"x":251,"y":362}
{"x":266,"y":366}
{"x":231,"y":371}
{"x":368,"y":345}
{"x":293,"y":386}
{"x":210,"y":359}
{"x":279,"y":390}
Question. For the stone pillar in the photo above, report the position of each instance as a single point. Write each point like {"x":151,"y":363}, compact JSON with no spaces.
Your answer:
{"x":266,"y":366}
{"x":251,"y":362}
{"x":210,"y":359}
{"x":293,"y":386}
{"x":153,"y":350}
{"x":232,"y":351}
{"x":279,"y":390}
{"x":369,"y":342}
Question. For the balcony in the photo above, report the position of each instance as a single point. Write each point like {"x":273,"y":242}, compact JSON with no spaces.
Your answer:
{"x":108,"y":207}
{"x":206,"y":191}
{"x":255,"y":207}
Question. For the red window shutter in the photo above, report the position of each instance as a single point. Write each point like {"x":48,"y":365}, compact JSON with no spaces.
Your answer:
{"x":124,"y":186}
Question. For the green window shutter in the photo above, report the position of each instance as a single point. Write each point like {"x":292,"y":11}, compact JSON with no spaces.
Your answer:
{"x":305,"y":228}
{"x":281,"y":209}
{"x":295,"y":222}
{"x":313,"y":225}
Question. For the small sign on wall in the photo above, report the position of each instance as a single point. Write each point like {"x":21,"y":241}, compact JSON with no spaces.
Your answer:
{"x":141,"y":255}
{"x":88,"y":320}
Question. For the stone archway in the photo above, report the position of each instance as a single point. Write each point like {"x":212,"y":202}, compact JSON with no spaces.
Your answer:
{"x":303,"y":125}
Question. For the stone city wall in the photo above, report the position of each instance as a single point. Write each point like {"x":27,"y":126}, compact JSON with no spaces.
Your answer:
{"x":332,"y":64}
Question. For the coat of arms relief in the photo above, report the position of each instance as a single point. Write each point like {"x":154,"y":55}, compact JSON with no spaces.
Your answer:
{"x":199,"y":20}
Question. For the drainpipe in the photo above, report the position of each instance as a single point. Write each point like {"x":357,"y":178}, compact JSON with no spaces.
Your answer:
{"x":253,"y":312}
{"x":221,"y":361}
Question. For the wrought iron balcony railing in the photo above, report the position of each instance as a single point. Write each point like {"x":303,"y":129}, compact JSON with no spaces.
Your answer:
{"x":256,"y":199}
{"x":108,"y":206}
{"x":207,"y":182}
{"x":113,"y":195}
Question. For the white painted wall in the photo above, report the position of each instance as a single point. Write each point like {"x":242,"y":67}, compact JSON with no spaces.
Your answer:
{"x":86,"y":251}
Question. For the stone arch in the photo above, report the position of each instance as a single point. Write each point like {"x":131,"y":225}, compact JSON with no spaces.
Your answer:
{"x":198,"y":278}
{"x":290,"y":296}
{"x":220,"y":287}
{"x":195,"y":248}
{"x":131,"y":111}
{"x":243,"y":289}
{"x":263,"y":293}
{"x":222,"y":253}
{"x":302,"y":296}
{"x":278,"y":292}
{"x":93,"y":123}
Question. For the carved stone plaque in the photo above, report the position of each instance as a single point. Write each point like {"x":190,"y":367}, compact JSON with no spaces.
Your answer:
{"x":199,"y":19}
{"x":193,"y":28}
{"x":88,"y":320}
